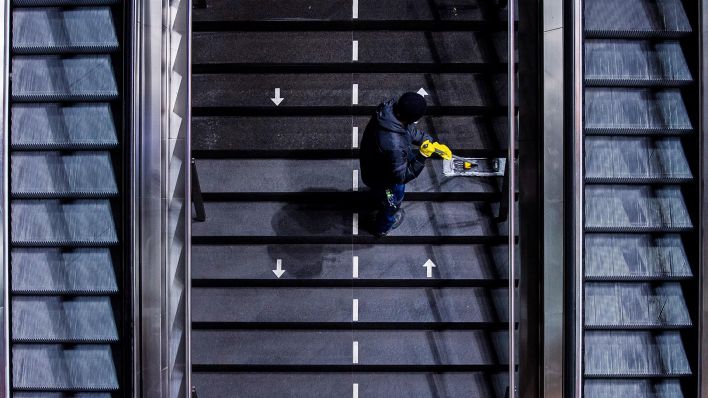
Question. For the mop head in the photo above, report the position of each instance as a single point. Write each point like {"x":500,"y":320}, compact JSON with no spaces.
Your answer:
{"x":474,"y":167}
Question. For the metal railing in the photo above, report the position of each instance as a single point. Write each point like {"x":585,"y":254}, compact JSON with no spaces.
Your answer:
{"x":578,"y":194}
{"x":511,"y":209}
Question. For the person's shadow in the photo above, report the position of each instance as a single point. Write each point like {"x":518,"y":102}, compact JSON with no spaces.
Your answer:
{"x":317,"y":228}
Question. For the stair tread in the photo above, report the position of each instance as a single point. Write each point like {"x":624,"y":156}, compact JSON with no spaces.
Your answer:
{"x":300,"y":90}
{"x":389,"y":347}
{"x":335,"y":262}
{"x":268,"y":218}
{"x":311,"y":176}
{"x":300,"y":47}
{"x":247,"y":135}
{"x":340,"y":10}
{"x":334,"y":305}
{"x":330,"y":384}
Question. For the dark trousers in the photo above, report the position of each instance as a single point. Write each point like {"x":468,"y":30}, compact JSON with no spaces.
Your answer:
{"x":389,"y":203}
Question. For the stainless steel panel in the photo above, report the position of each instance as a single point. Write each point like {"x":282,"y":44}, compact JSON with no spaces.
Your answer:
{"x":160,"y":160}
{"x":511,"y":225}
{"x":553,"y":214}
{"x":703,"y":234}
{"x":578,"y":193}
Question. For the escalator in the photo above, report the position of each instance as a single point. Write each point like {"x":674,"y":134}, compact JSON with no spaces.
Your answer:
{"x":291,"y":296}
{"x":641,"y":184}
{"x":66,"y":202}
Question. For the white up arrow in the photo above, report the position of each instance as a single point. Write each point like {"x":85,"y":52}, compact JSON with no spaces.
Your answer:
{"x":422,"y":92}
{"x":279,"y":271}
{"x":429,"y":265}
{"x":278,"y":99}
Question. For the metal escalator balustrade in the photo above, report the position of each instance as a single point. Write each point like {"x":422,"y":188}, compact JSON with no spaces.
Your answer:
{"x":639,"y":259}
{"x":291,"y":295}
{"x":66,"y":190}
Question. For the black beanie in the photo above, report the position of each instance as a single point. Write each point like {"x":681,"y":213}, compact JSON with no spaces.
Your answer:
{"x":411,"y":106}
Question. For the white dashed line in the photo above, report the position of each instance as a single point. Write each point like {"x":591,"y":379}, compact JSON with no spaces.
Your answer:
{"x":356,"y":391}
{"x":355,"y":137}
{"x":355,"y":224}
{"x":355,"y":180}
{"x":355,"y":9}
{"x":355,"y":352}
{"x":355,"y":94}
{"x":355,"y":267}
{"x":355,"y":310}
{"x":355,"y":50}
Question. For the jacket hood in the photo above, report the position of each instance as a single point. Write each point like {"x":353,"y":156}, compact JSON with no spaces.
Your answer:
{"x":386,"y":118}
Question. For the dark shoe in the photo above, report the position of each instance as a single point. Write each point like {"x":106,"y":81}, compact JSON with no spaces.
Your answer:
{"x":398,"y":220}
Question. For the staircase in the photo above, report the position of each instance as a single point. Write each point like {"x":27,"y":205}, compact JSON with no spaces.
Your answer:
{"x":641,"y":157}
{"x":291,"y":295}
{"x":66,"y":189}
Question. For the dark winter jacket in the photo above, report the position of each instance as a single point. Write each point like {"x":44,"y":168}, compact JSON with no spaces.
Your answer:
{"x":387,"y":155}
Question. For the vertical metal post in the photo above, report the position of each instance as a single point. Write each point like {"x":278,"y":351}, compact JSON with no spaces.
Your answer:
{"x":4,"y":243}
{"x":578,"y":195}
{"x":511,"y":220}
{"x":188,"y":215}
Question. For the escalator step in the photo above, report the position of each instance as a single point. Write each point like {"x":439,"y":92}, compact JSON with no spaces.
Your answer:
{"x":631,"y":208}
{"x":249,"y":136}
{"x":58,"y":175}
{"x":318,"y":176}
{"x":53,"y":78}
{"x":341,"y":10}
{"x":375,"y":385}
{"x":56,"y":271}
{"x":635,"y":160}
{"x":635,"y":110}
{"x":635,"y":257}
{"x":55,"y":126}
{"x":53,"y":3}
{"x":486,"y":263}
{"x":56,"y":367}
{"x":61,"y":395}
{"x":634,"y":305}
{"x":57,"y":30}
{"x":632,"y":62}
{"x":633,"y":388}
{"x":634,"y":354}
{"x":281,"y":219}
{"x":56,"y":319}
{"x":324,"y":348}
{"x":427,"y":307}
{"x":299,"y":47}
{"x":57,"y":223}
{"x":649,"y":18}
{"x":322,"y":90}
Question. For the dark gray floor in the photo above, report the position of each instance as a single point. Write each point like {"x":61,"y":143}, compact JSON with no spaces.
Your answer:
{"x":292,"y":296}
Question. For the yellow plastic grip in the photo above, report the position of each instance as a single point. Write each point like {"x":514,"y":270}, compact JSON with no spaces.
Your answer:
{"x":428,"y":148}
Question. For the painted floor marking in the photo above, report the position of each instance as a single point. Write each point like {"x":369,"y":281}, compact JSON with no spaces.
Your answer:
{"x":355,"y":50}
{"x":355,"y":352}
{"x":355,"y":94}
{"x":355,"y":224}
{"x":355,"y":180}
{"x":355,"y":9}
{"x":355,"y":310}
{"x":355,"y":137}
{"x":355,"y":267}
